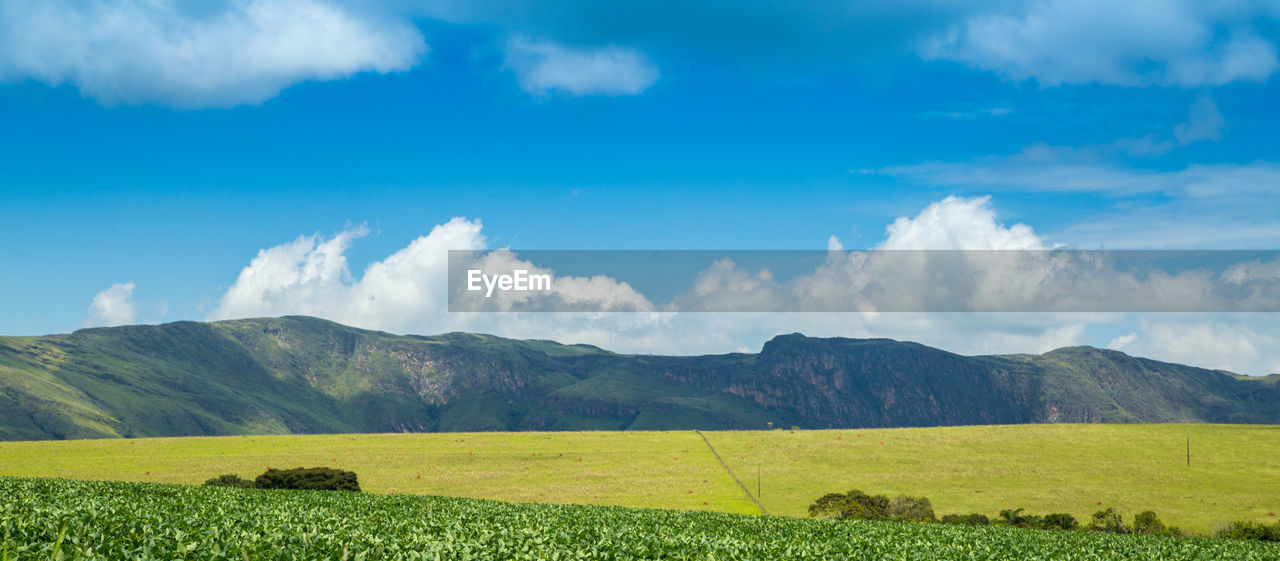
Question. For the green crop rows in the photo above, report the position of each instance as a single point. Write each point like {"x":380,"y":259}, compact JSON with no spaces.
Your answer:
{"x":59,"y":519}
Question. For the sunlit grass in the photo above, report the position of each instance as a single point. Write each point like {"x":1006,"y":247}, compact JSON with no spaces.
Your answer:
{"x":1234,"y":472}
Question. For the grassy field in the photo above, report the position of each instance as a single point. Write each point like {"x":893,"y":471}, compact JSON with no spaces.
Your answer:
{"x":1234,"y":473}
{"x":639,"y":469}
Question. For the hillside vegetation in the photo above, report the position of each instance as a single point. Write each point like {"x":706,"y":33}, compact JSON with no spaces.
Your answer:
{"x":306,"y":375}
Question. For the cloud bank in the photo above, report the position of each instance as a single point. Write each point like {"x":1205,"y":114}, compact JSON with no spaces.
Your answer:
{"x":1179,"y":43}
{"x":406,"y":292}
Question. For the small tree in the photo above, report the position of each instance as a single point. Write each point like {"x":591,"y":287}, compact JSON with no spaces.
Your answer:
{"x":1146,"y":522}
{"x":1108,"y":520}
{"x":854,"y":504}
{"x":868,"y":507}
{"x":915,"y":509}
{"x":830,"y":505}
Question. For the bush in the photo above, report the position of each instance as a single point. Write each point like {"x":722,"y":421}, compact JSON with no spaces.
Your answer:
{"x":229,"y":480}
{"x":974,"y":519}
{"x":1146,"y":522}
{"x":1059,"y":521}
{"x":1015,"y":517}
{"x":854,"y":504}
{"x":830,"y":505}
{"x":1250,"y":531}
{"x":915,"y":509}
{"x":868,"y":507}
{"x":318,"y":479}
{"x":1108,"y":520}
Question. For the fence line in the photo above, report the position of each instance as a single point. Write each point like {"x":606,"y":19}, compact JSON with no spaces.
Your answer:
{"x":731,"y":474}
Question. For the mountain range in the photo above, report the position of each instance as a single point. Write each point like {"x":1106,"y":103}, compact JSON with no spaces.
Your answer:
{"x":306,"y":375}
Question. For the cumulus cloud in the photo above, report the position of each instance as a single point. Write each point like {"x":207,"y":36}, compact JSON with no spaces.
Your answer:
{"x":958,"y":223}
{"x":408,"y":290}
{"x":113,"y":306}
{"x":196,"y":55}
{"x":543,"y":66}
{"x":1161,"y":42}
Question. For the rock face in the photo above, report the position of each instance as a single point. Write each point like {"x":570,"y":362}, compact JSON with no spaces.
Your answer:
{"x":306,"y":375}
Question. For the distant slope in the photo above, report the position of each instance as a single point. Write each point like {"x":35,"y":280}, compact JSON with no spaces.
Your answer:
{"x":306,"y":375}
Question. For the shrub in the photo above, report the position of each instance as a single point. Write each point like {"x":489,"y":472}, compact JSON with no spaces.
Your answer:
{"x":830,"y":505}
{"x":854,"y":504}
{"x":868,"y":507}
{"x":229,"y":480}
{"x":320,"y":479}
{"x":915,"y":509}
{"x":1015,"y":517}
{"x":1146,"y":522}
{"x":1059,"y":521}
{"x":1108,"y":520}
{"x":974,"y":519}
{"x":1250,"y":531}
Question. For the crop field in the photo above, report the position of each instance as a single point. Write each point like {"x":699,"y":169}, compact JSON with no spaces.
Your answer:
{"x":1234,"y":472}
{"x":62,"y":519}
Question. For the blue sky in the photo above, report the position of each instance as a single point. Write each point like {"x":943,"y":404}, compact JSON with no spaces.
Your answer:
{"x":163,"y":146}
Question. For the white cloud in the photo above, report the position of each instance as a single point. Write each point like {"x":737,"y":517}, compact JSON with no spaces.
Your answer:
{"x":542,"y":67}
{"x":113,"y":306}
{"x":1163,"y":42}
{"x":307,"y":275}
{"x":1243,"y":343}
{"x":958,"y":223}
{"x":407,"y":292}
{"x":187,"y":55}
{"x":1123,"y":341}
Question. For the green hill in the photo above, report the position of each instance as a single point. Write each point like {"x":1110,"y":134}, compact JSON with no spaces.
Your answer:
{"x":306,"y":375}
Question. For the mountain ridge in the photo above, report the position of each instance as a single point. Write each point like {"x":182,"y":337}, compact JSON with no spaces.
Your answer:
{"x":298,"y":374}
